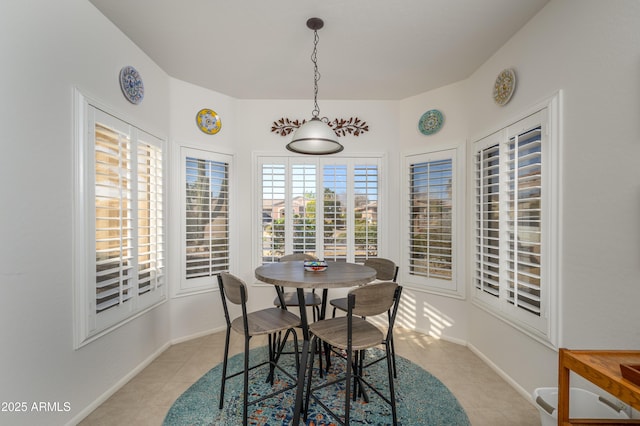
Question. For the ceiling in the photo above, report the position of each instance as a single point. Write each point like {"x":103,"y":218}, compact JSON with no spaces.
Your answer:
{"x":368,"y":49}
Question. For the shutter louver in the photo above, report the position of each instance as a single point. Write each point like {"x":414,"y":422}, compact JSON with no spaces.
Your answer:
{"x":303,"y":207}
{"x":366,"y":211}
{"x":335,"y":221}
{"x":150,"y":220}
{"x":113,"y":215}
{"x":524,"y":220}
{"x":273,"y":208}
{"x":487,"y":176}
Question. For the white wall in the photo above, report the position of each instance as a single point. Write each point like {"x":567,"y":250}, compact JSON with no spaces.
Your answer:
{"x":591,"y":51}
{"x":193,"y":314}
{"x":431,"y":313}
{"x":256,"y":136}
{"x":246,"y":129}
{"x":47,"y":49}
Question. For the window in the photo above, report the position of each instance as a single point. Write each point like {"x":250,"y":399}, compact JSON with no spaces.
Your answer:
{"x":515,"y":181}
{"x":205,"y":218}
{"x":432,"y":222}
{"x":120,"y":236}
{"x":303,"y":198}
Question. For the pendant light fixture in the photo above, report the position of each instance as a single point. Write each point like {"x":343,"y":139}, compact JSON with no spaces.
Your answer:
{"x":315,"y":137}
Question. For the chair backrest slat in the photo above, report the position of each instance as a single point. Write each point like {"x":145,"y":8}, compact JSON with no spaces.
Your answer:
{"x":234,"y":288}
{"x":296,"y":256}
{"x":386,"y":269}
{"x":373,"y":299}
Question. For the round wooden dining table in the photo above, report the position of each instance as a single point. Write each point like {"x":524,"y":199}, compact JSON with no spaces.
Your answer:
{"x":293,"y":275}
{"x":337,"y":274}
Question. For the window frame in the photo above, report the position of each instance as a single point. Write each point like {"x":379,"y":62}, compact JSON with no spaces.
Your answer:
{"x":90,"y":325}
{"x":259,"y":159}
{"x":455,"y":287}
{"x":204,"y":284}
{"x":543,"y":328}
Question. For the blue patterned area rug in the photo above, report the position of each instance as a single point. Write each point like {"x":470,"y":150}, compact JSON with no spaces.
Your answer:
{"x":421,"y":398}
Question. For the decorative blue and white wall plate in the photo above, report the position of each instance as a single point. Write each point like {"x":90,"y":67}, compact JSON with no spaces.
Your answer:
{"x":430,"y":122}
{"x":131,"y":84}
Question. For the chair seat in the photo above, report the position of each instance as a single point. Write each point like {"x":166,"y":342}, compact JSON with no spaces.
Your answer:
{"x":291,"y":299}
{"x":266,"y":321}
{"x":340,"y":303}
{"x":334,"y":332}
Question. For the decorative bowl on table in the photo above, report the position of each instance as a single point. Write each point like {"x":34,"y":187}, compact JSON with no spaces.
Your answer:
{"x":315,"y":265}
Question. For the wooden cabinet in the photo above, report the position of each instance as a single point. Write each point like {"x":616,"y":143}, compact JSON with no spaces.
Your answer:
{"x":601,"y":368}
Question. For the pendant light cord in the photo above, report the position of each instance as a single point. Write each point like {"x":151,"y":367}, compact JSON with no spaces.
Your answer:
{"x":316,"y":136}
{"x":316,"y":74}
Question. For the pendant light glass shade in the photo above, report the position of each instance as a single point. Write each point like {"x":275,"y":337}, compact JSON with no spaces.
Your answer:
{"x":314,"y":137}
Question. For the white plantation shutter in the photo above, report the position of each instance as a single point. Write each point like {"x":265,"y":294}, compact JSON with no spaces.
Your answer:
{"x":113,"y":218}
{"x":205,"y":217}
{"x":431,"y":201}
{"x":119,"y":248}
{"x":335,"y":212}
{"x":524,"y":219}
{"x":273,"y":207}
{"x":150,"y":218}
{"x":365,"y":211}
{"x":487,"y":219}
{"x":339,"y":224}
{"x":302,"y":210}
{"x":515,"y":173}
{"x":508,"y":181}
{"x":431,"y":232}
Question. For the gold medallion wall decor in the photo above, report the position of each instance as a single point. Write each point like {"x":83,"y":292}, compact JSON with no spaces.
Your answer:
{"x":504,"y":86}
{"x":208,"y":121}
{"x":341,"y":126}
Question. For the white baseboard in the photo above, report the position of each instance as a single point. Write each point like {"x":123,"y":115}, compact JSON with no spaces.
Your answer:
{"x":116,"y":387}
{"x":198,"y":335}
{"x":438,"y":336}
{"x":522,"y":391}
{"x":526,"y":395}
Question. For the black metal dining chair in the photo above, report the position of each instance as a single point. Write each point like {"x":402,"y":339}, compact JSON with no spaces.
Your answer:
{"x":354,"y":334}
{"x":291,"y":298}
{"x":386,"y":270}
{"x":270,"y":321}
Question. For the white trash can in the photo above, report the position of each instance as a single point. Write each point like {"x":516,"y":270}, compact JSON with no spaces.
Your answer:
{"x":582,"y":405}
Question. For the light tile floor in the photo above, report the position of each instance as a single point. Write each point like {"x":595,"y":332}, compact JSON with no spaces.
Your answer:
{"x":486,"y":397}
